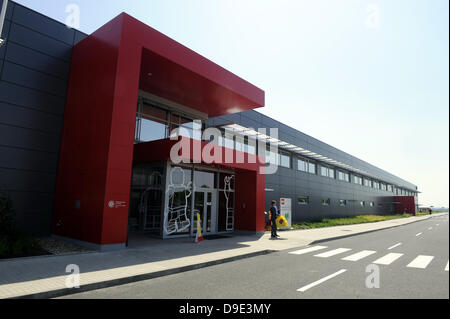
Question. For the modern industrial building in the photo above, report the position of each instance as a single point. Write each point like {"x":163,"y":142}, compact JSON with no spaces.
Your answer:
{"x":86,"y":149}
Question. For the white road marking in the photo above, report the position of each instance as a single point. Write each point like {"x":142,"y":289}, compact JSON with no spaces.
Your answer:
{"x":446,"y":267}
{"x":360,"y":255}
{"x":437,"y":224}
{"x":396,"y":245}
{"x":307,"y":250}
{"x":388,"y":259}
{"x":430,"y":228}
{"x":417,"y":235}
{"x":332,"y":252}
{"x":421,"y":262}
{"x":318,"y":282}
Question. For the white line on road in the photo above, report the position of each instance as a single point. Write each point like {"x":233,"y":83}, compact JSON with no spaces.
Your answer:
{"x":446,"y":267}
{"x":430,"y":228}
{"x":332,"y":252}
{"x":307,"y":250}
{"x":421,"y":262}
{"x":388,"y":259}
{"x":318,"y":282}
{"x":360,"y":255}
{"x":396,"y":245}
{"x":437,"y":224}
{"x":417,"y":235}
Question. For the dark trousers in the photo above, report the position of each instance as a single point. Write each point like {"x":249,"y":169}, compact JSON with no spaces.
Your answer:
{"x":273,"y":226}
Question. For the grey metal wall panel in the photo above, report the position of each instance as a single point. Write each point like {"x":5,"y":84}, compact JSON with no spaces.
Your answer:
{"x":28,"y":98}
{"x":14,"y":136}
{"x":42,"y":24}
{"x":20,"y":159}
{"x":39,"y":42}
{"x":29,"y":78}
{"x":31,"y":119}
{"x":27,"y":181}
{"x":9,"y":10}
{"x":4,"y":36}
{"x":34,"y":70}
{"x":37,"y":61}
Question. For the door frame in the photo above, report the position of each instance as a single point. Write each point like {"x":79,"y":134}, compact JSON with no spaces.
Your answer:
{"x":214,"y":212}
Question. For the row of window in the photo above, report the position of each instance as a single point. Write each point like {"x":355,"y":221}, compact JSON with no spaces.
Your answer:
{"x":153,"y":123}
{"x":304,"y":200}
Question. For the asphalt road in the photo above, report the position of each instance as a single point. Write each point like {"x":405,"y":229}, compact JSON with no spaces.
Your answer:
{"x":412,"y":261}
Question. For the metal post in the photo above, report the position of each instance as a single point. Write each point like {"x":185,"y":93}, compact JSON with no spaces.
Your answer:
{"x":2,"y":20}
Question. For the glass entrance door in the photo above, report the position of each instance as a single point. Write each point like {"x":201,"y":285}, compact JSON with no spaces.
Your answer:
{"x":205,"y":206}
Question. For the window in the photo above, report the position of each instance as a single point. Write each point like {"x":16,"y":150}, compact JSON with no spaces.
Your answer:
{"x":362,"y":203}
{"x":303,"y":200}
{"x":285,"y":159}
{"x":151,"y":123}
{"x":342,"y":176}
{"x":389,"y":188}
{"x":302,"y":165}
{"x":156,"y":123}
{"x":250,"y":145}
{"x":312,"y":168}
{"x":342,"y":202}
{"x":372,"y":204}
{"x":357,"y":180}
{"x":271,"y":157}
{"x":327,"y":171}
{"x":376,"y":185}
{"x":383,"y":186}
{"x":326,"y":202}
{"x":305,"y":165}
{"x":367,"y":182}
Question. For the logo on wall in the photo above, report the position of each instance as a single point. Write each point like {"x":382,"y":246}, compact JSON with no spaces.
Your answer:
{"x":230,"y":211}
{"x":116,"y":204}
{"x":176,"y":214}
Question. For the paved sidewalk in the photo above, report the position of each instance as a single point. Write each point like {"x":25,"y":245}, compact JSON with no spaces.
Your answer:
{"x":44,"y":277}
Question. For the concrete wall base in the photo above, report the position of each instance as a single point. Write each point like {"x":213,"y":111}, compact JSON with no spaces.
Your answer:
{"x":102,"y":248}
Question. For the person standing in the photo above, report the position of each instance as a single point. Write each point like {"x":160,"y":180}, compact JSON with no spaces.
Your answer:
{"x":273,"y":218}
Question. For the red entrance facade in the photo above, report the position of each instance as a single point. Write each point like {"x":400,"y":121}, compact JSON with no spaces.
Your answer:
{"x":108,"y":70}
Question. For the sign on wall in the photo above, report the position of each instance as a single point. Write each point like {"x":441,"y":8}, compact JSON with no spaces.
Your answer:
{"x":286,"y":210}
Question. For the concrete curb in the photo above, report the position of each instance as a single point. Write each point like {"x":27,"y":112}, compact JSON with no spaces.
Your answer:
{"x":365,"y":232}
{"x":131,"y":279}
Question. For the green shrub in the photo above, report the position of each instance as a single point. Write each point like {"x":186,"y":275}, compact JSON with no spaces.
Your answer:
{"x":12,"y":242}
{"x":7,"y":214}
{"x":4,"y":247}
{"x":24,"y":246}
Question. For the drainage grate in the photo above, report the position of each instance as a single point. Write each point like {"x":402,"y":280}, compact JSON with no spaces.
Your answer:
{"x":212,"y":237}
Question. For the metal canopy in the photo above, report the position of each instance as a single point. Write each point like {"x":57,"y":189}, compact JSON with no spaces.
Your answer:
{"x":241,"y":130}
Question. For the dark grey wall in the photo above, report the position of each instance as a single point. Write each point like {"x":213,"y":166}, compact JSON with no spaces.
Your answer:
{"x":291,"y":183}
{"x":34,"y":71}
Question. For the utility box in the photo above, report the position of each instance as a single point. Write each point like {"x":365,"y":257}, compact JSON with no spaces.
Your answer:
{"x":286,"y":211}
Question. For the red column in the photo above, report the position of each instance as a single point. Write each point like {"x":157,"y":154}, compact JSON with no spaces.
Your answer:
{"x":94,"y":174}
{"x":250,"y":201}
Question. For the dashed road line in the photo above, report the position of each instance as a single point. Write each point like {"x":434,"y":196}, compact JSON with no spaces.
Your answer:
{"x":417,"y":235}
{"x":332,"y":252}
{"x":307,"y":250}
{"x":318,"y":282}
{"x":421,"y":262}
{"x":430,"y":228}
{"x":396,"y":245}
{"x":388,"y":259}
{"x":360,"y":255}
{"x":446,"y":267}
